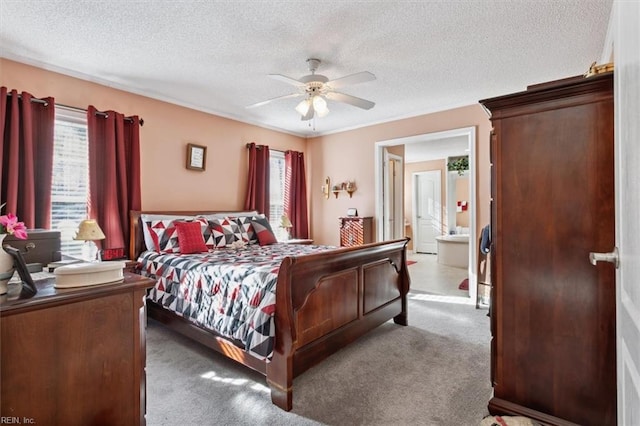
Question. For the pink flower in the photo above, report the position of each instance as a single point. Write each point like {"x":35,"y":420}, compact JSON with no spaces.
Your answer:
{"x":11,"y":226}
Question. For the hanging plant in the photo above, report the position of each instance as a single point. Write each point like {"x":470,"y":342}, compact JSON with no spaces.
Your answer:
{"x":460,"y":165}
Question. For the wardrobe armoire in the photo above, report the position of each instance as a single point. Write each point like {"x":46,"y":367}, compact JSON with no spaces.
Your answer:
{"x":553,"y":353}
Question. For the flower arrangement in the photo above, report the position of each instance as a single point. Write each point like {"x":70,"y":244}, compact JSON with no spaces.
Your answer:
{"x":9,"y":225}
{"x":459,"y":164}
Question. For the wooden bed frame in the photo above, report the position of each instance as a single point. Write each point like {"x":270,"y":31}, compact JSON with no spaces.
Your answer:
{"x":323,"y":302}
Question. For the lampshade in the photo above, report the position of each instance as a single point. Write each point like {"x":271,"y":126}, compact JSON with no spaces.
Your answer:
{"x":320,"y":106}
{"x":285,"y":222}
{"x":303,"y":107}
{"x":89,"y":230}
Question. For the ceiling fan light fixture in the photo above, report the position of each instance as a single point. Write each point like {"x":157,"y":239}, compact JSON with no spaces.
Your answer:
{"x":303,"y":107}
{"x":320,"y":106}
{"x":317,"y":89}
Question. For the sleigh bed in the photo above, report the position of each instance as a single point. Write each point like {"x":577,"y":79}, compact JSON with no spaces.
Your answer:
{"x":323,"y":301}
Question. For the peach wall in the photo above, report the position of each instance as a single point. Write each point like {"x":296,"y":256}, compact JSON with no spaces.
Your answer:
{"x":351,"y":155}
{"x":168,"y":128}
{"x":423,"y":166}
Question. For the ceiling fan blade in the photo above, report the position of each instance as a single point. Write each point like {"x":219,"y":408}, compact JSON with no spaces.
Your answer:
{"x":292,"y":95}
{"x":359,"y":77}
{"x":287,"y":80}
{"x":351,"y":100}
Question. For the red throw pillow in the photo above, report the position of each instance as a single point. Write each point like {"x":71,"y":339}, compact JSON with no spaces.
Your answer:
{"x":264,"y":232}
{"x":190,"y":237}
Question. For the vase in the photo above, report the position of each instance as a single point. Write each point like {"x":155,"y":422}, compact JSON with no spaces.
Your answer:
{"x":6,"y":267}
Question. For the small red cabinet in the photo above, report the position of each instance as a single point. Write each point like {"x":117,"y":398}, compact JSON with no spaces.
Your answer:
{"x":355,"y":231}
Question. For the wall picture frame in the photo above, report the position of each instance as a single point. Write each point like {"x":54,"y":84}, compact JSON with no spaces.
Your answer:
{"x":196,"y":157}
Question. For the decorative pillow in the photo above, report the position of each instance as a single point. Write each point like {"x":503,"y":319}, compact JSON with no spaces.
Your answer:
{"x":164,"y":235}
{"x":190,"y":237}
{"x":207,"y":235}
{"x":263,"y":230}
{"x":244,"y":222}
{"x":146,"y":220}
{"x":225,"y":232}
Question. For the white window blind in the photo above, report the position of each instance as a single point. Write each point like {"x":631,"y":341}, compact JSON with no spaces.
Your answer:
{"x":69,"y":194}
{"x":276,"y":193}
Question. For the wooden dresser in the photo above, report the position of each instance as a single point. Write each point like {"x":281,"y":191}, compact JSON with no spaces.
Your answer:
{"x":355,"y":231}
{"x":75,"y":356}
{"x":553,"y":328}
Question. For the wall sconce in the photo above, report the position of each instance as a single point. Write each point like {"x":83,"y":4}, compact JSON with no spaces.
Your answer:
{"x":326,"y":188}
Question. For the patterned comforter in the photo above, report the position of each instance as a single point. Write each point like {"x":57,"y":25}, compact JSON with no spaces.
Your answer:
{"x":226,"y":290}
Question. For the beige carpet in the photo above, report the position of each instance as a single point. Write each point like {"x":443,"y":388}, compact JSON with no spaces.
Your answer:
{"x":433,"y":372}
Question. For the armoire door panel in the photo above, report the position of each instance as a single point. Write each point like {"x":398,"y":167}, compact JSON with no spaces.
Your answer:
{"x":553,"y":204}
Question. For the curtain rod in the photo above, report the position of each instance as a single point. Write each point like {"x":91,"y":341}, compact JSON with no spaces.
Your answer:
{"x":36,"y":100}
{"x":100,"y":113}
{"x":256,"y":145}
{"x":103,"y":114}
{"x":261,"y":146}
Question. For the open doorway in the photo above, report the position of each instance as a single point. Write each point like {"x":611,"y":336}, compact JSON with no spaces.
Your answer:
{"x":446,"y":223}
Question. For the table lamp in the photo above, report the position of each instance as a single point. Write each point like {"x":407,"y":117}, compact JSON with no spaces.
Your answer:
{"x":286,"y":224}
{"x":89,"y":231}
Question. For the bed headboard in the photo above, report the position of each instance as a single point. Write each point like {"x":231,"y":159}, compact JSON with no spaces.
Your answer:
{"x":136,"y":237}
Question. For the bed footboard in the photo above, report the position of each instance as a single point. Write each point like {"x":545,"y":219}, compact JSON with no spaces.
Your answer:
{"x":326,"y":301}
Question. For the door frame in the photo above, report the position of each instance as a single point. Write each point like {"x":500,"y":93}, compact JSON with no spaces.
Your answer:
{"x":398,"y":191}
{"x":470,"y":133}
{"x":622,"y":41}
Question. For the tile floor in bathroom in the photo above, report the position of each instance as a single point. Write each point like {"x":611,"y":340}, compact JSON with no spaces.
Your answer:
{"x":429,"y":276}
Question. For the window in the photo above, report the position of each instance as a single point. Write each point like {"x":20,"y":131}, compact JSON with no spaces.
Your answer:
{"x":70,"y":189}
{"x":276,"y":193}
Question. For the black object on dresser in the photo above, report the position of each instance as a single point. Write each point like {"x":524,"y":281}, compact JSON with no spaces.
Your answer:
{"x":41,"y":246}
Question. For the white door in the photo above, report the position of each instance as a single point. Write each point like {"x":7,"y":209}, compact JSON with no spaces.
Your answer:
{"x":626,"y":22}
{"x":427,"y":210}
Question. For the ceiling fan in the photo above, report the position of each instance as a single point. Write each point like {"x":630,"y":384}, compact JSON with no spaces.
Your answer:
{"x":316,"y":88}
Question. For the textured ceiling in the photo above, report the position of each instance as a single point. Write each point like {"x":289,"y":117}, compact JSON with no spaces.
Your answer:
{"x":215,"y":56}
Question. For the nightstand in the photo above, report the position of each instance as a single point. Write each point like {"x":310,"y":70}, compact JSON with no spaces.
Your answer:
{"x":131,"y":266}
{"x":356,"y":231}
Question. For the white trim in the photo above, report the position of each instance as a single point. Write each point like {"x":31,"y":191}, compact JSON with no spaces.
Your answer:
{"x":607,"y":50}
{"x":388,"y":157}
{"x":470,"y":133}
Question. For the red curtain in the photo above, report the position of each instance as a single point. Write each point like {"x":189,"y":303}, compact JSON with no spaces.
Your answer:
{"x":295,"y":194}
{"x":114,"y":173}
{"x":258,"y":183}
{"x":26,"y":157}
